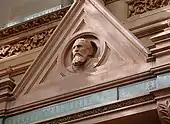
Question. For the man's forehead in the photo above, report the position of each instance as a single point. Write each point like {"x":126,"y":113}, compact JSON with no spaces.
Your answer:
{"x":80,"y":42}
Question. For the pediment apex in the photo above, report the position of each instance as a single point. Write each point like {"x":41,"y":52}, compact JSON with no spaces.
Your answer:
{"x":88,"y":19}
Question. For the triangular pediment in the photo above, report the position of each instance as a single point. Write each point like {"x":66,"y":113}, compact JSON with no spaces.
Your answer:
{"x":115,"y":52}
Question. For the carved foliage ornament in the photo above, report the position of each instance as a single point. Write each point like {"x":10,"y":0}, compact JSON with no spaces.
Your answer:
{"x":25,"y":44}
{"x":141,"y":6}
{"x":164,"y":112}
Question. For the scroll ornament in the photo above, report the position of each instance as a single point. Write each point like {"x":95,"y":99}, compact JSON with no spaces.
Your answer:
{"x":164,"y":112}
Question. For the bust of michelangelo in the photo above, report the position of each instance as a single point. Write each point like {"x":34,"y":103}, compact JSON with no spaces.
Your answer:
{"x":82,"y":51}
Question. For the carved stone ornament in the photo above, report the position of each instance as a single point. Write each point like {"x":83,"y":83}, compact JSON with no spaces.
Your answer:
{"x":164,"y":112}
{"x":25,"y":44}
{"x":84,"y":53}
{"x":141,"y":6}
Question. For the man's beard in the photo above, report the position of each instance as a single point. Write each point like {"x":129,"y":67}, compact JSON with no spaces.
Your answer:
{"x":78,"y":60}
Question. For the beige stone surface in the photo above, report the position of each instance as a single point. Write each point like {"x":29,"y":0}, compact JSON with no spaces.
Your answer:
{"x":121,"y":58}
{"x":119,"y":54}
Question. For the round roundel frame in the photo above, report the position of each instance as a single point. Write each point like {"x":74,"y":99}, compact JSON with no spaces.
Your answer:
{"x":99,"y":45}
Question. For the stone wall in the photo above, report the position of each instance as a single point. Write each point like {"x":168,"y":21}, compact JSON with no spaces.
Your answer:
{"x":144,"y":18}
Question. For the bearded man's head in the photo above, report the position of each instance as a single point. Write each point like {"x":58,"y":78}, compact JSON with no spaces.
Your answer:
{"x":82,"y":50}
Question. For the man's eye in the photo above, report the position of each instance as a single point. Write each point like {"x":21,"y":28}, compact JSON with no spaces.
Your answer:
{"x":78,"y":46}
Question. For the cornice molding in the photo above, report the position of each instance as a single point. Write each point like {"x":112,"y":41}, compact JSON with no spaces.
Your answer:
{"x":161,"y":44}
{"x":6,"y":86}
{"x":150,"y":29}
{"x":34,"y":23}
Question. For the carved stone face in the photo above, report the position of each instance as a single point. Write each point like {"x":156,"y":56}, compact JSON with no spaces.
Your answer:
{"x":82,"y":51}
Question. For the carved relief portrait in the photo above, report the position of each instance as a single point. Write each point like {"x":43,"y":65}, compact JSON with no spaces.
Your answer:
{"x":82,"y":52}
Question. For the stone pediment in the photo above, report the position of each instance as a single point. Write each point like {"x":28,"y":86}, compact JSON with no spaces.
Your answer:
{"x":116,"y":53}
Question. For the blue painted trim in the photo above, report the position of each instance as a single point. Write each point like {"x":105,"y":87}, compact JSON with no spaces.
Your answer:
{"x":79,"y":103}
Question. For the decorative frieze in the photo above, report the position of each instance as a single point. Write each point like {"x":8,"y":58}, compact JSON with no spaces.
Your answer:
{"x":33,"y":23}
{"x":141,"y":6}
{"x":100,"y":110}
{"x":25,"y":44}
{"x":65,"y":107}
{"x":164,"y":112}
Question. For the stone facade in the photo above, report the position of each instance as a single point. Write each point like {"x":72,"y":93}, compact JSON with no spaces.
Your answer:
{"x":126,"y":75}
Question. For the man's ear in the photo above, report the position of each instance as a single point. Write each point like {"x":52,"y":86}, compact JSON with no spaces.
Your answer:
{"x":71,"y":56}
{"x":94,"y":49}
